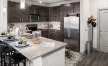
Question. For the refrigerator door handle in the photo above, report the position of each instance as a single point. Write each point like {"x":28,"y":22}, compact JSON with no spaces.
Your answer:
{"x":69,"y":28}
{"x":68,"y":33}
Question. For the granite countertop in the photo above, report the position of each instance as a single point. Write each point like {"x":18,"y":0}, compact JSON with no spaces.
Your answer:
{"x":38,"y":50}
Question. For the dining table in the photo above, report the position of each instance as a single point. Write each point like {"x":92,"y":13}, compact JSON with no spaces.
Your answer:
{"x":47,"y":53}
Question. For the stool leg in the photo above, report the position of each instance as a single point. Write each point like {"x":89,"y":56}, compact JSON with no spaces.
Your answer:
{"x":18,"y":64}
{"x":1,"y":59}
{"x":25,"y":62}
{"x":5,"y":64}
{"x":14,"y":64}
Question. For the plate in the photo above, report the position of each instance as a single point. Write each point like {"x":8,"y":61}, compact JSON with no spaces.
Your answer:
{"x":10,"y":39}
{"x":22,"y":46}
{"x":3,"y":35}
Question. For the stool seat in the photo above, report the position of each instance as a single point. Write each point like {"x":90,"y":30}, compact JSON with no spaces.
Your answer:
{"x":15,"y":58}
{"x":9,"y":57}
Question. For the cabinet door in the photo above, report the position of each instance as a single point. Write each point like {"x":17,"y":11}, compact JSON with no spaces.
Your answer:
{"x":44,"y":13}
{"x":45,"y":33}
{"x":57,"y":35}
{"x":54,"y":13}
{"x":52,"y":34}
{"x":14,"y":14}
{"x":77,"y":7}
{"x":25,"y":14}
{"x":69,"y":8}
{"x":56,"y":58}
{"x":34,"y":9}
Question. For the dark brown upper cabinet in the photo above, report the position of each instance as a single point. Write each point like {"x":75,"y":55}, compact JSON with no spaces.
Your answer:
{"x":44,"y":13}
{"x":76,"y":7}
{"x":25,"y":14}
{"x":14,"y":13}
{"x":34,"y":9}
{"x":69,"y":8}
{"x":54,"y":13}
{"x":41,"y":10}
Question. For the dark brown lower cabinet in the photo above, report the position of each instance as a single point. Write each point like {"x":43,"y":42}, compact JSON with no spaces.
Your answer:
{"x":54,"y":34}
{"x":51,"y":33}
{"x":45,"y":33}
{"x":58,"y":35}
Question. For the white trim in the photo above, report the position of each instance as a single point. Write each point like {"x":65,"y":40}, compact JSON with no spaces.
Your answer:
{"x":98,"y":27}
{"x":98,"y":23}
{"x":29,"y":2}
{"x":62,"y":2}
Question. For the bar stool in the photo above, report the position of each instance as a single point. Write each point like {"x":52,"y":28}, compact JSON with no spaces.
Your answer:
{"x":1,"y":53}
{"x":11,"y":58}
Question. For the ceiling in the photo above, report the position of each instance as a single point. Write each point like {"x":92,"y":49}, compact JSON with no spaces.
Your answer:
{"x":51,"y":1}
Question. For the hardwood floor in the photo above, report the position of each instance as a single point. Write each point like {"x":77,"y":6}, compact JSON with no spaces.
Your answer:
{"x":96,"y":58}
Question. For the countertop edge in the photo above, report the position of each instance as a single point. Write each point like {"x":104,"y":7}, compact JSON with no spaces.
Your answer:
{"x":49,"y":52}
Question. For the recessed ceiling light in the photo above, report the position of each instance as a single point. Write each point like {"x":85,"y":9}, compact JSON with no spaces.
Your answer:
{"x":40,"y":1}
{"x":4,"y":9}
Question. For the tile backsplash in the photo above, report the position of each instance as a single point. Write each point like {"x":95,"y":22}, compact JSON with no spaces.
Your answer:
{"x":55,"y":25}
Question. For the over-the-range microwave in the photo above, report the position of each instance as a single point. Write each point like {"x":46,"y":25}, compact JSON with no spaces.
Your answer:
{"x":34,"y":17}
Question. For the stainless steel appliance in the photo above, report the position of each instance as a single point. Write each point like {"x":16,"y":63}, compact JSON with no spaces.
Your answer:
{"x":32,"y":27}
{"x":34,"y":17}
{"x":72,"y":32}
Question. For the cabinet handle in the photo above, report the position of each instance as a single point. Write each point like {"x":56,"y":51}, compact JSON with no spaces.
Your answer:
{"x":20,"y":19}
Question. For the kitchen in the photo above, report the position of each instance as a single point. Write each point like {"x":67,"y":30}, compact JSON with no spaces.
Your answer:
{"x":49,"y":20}
{"x":50,"y":17}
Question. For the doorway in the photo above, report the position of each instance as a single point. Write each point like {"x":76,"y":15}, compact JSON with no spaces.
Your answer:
{"x":103,"y":30}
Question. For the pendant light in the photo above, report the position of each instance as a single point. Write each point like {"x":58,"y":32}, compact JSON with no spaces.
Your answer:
{"x":22,"y":4}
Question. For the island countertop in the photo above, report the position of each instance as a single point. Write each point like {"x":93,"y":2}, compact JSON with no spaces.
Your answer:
{"x":38,"y":50}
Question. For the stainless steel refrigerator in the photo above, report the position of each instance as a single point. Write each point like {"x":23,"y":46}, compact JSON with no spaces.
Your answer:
{"x":72,"y":32}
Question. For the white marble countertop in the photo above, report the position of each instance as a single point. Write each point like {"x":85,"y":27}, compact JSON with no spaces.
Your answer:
{"x":38,"y":50}
{"x":49,"y":28}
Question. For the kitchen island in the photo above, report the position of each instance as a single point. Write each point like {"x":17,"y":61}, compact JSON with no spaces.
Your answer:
{"x":38,"y":55}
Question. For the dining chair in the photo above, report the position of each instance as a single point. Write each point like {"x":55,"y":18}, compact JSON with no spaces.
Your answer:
{"x":9,"y":58}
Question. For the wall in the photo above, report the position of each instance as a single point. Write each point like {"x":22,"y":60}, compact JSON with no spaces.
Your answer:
{"x":63,"y":2}
{"x":95,"y":5}
{"x":29,"y":2}
{"x":84,"y":14}
{"x":3,"y":15}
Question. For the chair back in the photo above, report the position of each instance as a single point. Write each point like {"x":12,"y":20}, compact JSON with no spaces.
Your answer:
{"x":5,"y":51}
{"x":4,"y":48}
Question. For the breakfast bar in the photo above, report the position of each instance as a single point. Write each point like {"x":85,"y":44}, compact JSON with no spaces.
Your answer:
{"x":43,"y":54}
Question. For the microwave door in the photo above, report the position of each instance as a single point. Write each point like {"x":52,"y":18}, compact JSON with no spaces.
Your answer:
{"x":34,"y":17}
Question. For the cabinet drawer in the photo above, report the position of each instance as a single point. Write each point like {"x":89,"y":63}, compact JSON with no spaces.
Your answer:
{"x":57,"y":31}
{"x":51,"y":30}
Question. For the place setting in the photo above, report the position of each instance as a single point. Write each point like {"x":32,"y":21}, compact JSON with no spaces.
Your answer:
{"x":22,"y":42}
